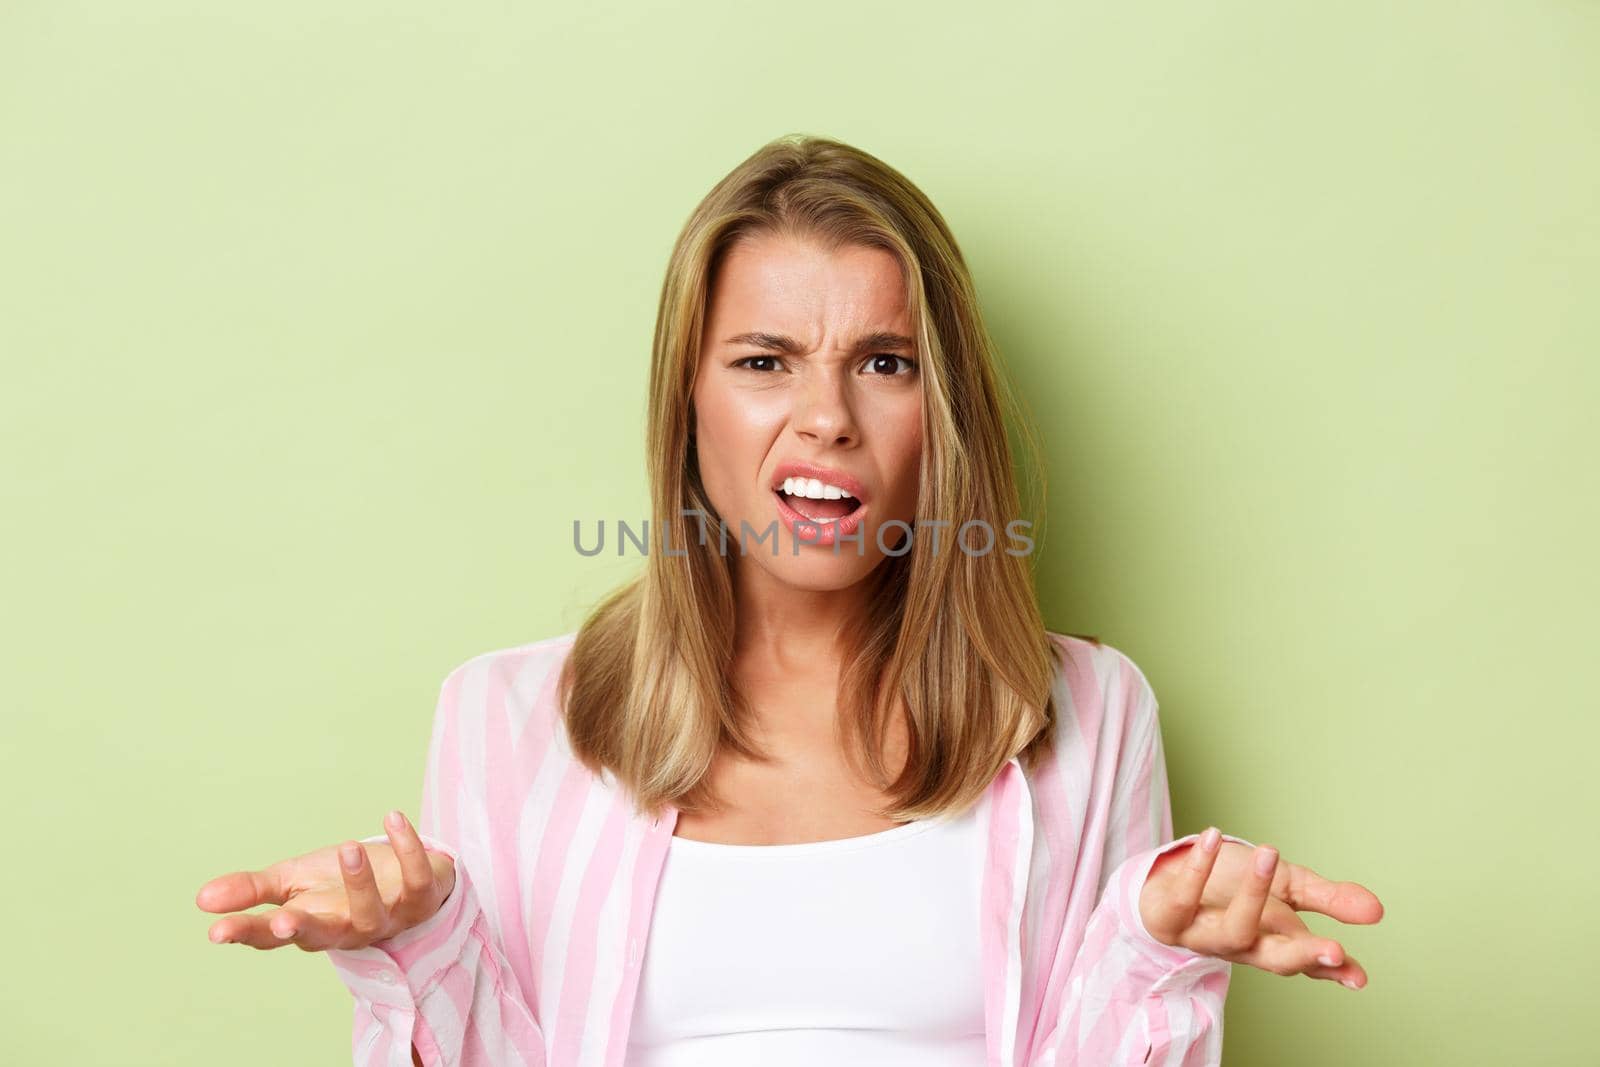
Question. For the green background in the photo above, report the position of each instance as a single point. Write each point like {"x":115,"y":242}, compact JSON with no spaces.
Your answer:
{"x":321,"y":324}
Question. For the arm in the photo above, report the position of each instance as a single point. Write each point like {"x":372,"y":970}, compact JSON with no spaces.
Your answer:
{"x":440,"y":992}
{"x":1131,"y":999}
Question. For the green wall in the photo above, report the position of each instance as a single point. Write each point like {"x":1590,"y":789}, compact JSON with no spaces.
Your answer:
{"x":320,"y":323}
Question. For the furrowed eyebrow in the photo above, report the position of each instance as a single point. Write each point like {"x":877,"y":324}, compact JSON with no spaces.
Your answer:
{"x":777,"y":342}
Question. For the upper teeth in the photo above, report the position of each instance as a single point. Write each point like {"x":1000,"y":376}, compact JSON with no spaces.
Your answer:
{"x":811,"y":487}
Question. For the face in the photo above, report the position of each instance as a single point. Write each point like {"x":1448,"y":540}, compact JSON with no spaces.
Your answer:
{"x":809,"y":365}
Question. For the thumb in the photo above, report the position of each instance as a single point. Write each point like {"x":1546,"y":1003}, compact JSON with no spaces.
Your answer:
{"x":239,"y":890}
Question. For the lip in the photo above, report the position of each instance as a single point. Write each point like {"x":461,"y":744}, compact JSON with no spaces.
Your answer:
{"x":818,"y":533}
{"x":814,"y":532}
{"x":793,"y":468}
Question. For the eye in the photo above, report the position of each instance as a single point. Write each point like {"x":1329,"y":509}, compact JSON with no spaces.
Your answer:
{"x":877,"y":361}
{"x":752,"y":359}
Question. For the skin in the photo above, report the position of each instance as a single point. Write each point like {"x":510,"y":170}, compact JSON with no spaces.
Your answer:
{"x":833,"y":404}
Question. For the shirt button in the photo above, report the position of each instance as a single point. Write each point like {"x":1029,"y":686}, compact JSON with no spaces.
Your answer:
{"x":386,"y":977}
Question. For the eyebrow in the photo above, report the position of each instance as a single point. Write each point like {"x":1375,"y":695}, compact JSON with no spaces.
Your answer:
{"x":778,"y":342}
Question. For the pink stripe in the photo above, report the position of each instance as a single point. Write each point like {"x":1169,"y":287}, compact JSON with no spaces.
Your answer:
{"x":1158,"y":780}
{"x":1083,"y":683}
{"x":537,"y":735}
{"x":1212,"y":989}
{"x":514,"y":1025}
{"x":523,"y":1034}
{"x":443,"y":785}
{"x":1054,"y":826}
{"x":426,"y":1044}
{"x":458,"y":986}
{"x":556,"y":849}
{"x":1108,"y":1030}
{"x":1088,"y":711}
{"x":409,"y":955}
{"x":1089,"y":704}
{"x":578,"y":975}
{"x":1097,"y":941}
{"x":475,"y":1050}
{"x":1052,"y":795}
{"x":501,"y":798}
{"x":997,"y":891}
{"x":1138,"y":827}
{"x":1157,"y":1024}
{"x":647,"y":871}
{"x":362,"y":1026}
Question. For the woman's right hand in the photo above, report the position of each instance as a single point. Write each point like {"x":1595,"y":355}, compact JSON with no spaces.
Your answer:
{"x":327,"y":904}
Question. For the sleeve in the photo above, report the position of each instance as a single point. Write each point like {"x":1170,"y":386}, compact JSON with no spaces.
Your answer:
{"x":442,"y":986}
{"x":1131,"y":999}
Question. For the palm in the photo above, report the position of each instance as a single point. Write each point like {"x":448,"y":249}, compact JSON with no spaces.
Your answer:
{"x":315,"y":884}
{"x":1216,"y":903}
{"x":324,"y":904}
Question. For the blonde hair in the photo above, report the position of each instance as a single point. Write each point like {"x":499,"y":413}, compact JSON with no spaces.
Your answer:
{"x":957,"y":637}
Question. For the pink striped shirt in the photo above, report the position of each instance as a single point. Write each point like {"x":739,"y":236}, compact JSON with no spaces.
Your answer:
{"x":534,"y":958}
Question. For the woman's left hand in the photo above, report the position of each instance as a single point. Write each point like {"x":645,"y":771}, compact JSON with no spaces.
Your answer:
{"x":1223,"y":899}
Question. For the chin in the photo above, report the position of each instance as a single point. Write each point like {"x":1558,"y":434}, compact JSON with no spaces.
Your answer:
{"x":817,"y":570}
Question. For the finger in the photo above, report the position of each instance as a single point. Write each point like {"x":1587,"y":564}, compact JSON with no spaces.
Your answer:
{"x":1279,"y":954}
{"x":1306,"y":890}
{"x":1355,"y":975}
{"x":1349,"y":974}
{"x":1190,"y":879}
{"x":1278,"y":918}
{"x":242,"y":889}
{"x":1330,"y":962}
{"x":1241,"y":924}
{"x":258,"y":929}
{"x":1298,"y":952}
{"x":368,"y":916}
{"x":416,"y":872}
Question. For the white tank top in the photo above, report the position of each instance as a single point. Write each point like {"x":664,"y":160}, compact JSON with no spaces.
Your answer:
{"x":859,"y":950}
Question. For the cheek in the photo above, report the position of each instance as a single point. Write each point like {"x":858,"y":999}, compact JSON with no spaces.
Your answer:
{"x":730,"y":431}
{"x":907,"y":431}
{"x":715,"y":426}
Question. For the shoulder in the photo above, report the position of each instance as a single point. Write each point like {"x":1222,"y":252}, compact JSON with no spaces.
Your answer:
{"x":520,"y":678}
{"x":1099,"y":690}
{"x":514,"y":658}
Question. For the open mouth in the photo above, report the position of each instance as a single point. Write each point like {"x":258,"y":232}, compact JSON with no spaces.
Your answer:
{"x":820,"y":510}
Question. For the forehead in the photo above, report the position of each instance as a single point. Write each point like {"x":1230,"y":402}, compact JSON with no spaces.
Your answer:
{"x":785,"y":281}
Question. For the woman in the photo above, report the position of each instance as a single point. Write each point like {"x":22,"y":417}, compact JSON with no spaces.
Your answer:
{"x":818,"y":786}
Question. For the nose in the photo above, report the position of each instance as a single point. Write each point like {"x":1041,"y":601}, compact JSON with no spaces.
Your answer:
{"x":822,"y":412}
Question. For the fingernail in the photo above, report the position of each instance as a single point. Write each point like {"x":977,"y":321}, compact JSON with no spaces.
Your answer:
{"x":1265,"y":861}
{"x":284,"y":929}
{"x":351,"y":856}
{"x":216,"y":937}
{"x":1209,"y":839}
{"x":1349,"y":983}
{"x":396,"y":820}
{"x":1326,"y":961}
